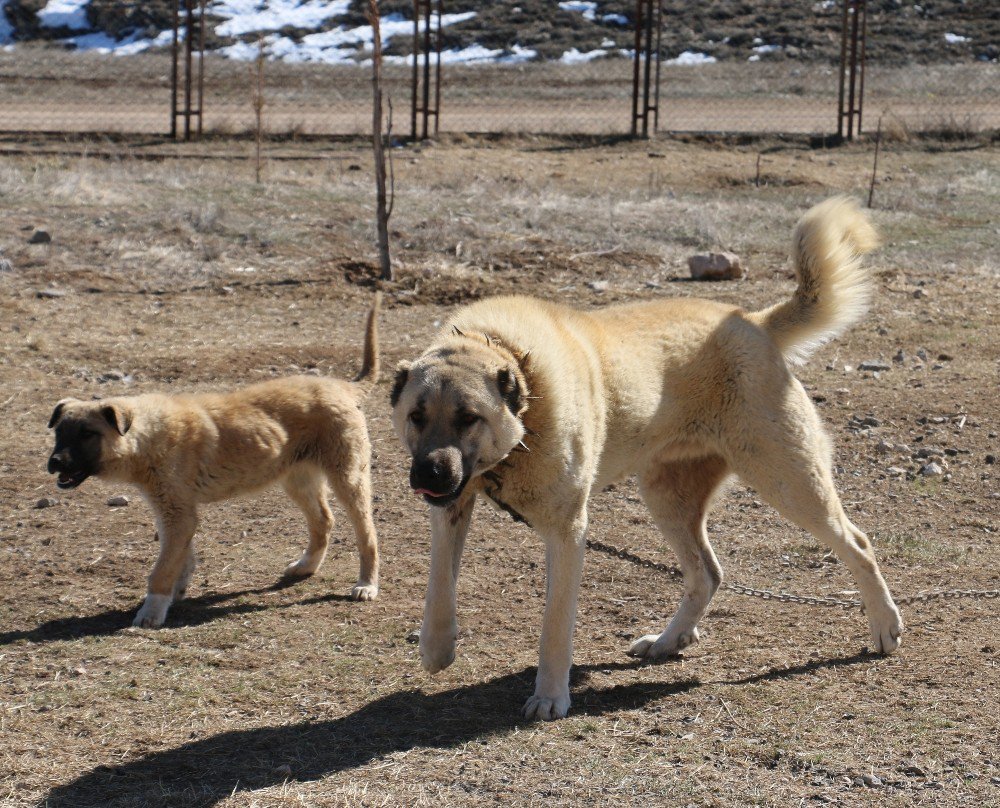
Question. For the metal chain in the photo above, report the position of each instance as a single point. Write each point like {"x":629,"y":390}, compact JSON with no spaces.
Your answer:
{"x":787,"y":597}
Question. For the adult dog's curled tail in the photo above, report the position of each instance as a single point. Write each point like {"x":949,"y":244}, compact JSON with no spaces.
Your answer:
{"x":834,"y":289}
{"x":370,"y":367}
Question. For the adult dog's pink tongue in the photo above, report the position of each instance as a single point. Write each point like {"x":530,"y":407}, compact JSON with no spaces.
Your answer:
{"x":427,"y":491}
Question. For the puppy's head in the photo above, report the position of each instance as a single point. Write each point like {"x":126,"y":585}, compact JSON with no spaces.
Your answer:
{"x":456,"y":409}
{"x":86,"y":433}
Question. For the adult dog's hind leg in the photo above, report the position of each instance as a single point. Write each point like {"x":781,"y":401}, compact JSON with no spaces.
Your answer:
{"x":306,"y":487}
{"x":786,"y":458}
{"x":678,"y":494}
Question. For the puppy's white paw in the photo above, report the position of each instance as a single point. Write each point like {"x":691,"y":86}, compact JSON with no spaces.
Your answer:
{"x":153,"y":611}
{"x":544,"y":707}
{"x":364,"y":591}
{"x":661,"y":647}
{"x":887,"y":628}
{"x":437,"y":652}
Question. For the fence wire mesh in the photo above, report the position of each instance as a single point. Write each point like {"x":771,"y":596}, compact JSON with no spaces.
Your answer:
{"x":48,"y":86}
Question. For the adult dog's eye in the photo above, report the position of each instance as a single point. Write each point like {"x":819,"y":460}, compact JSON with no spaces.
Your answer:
{"x":467,"y":419}
{"x":417,"y":418}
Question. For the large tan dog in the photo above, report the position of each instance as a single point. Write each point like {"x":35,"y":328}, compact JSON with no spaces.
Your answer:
{"x":185,"y":450}
{"x":536,"y":405}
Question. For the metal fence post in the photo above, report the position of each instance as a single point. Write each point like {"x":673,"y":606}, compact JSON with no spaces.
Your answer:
{"x":192,"y":107}
{"x":853,"y":37}
{"x":420,"y":99}
{"x":647,"y":18}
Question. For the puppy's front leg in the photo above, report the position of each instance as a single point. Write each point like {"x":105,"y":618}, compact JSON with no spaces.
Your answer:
{"x":564,"y":548}
{"x":439,"y":630}
{"x":176,"y":524}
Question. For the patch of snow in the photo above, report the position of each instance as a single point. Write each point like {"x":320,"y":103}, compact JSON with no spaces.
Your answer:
{"x":575,"y":57}
{"x":248,"y":16}
{"x":102,"y":43}
{"x":754,"y":58}
{"x":474,"y":54}
{"x":767,"y":48}
{"x":342,"y":45}
{"x":955,"y":39}
{"x":70,"y":14}
{"x":6,"y":29}
{"x":608,"y":43}
{"x":691,"y":59}
{"x":588,"y":9}
{"x":615,"y":19}
{"x":824,"y":5}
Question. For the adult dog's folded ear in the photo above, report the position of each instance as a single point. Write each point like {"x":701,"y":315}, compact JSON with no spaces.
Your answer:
{"x":402,"y":374}
{"x":118,"y":417}
{"x":58,"y":411}
{"x":512,"y":390}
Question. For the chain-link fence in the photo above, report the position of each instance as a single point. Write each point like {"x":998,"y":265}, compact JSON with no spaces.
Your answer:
{"x":777,"y":88}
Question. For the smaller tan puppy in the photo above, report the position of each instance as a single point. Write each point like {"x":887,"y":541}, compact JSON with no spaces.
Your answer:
{"x":180,"y":451}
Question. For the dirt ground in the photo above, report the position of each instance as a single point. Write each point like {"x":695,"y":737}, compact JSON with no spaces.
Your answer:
{"x":180,"y":273}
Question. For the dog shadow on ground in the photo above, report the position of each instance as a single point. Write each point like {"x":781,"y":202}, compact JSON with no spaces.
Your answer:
{"x":187,"y":612}
{"x":207,"y":771}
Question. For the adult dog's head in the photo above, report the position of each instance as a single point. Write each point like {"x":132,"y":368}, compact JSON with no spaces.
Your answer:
{"x":457,"y":410}
{"x":87,"y":434}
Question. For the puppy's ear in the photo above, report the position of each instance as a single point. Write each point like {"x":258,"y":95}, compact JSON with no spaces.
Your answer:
{"x":58,"y":411}
{"x":511,"y":390}
{"x":118,"y":417}
{"x":402,"y":374}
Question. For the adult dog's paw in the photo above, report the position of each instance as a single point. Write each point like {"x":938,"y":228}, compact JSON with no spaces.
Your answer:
{"x":545,"y":708}
{"x":886,"y":625}
{"x":364,"y":591}
{"x":661,"y":647}
{"x":437,"y":651}
{"x":153,"y":611}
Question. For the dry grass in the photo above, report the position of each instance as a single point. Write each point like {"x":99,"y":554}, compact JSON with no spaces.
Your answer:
{"x":256,"y":695}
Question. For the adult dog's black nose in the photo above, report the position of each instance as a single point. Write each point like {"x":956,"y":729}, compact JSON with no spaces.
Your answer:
{"x":438,"y":473}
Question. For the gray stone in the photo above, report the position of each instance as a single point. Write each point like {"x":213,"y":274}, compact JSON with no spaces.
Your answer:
{"x":920,"y":294}
{"x":874,"y":364}
{"x":40,"y":237}
{"x":599,"y":286}
{"x":932,"y":469}
{"x":895,"y":471}
{"x":118,"y":501}
{"x":46,"y":502}
{"x":50,"y":293}
{"x":724,"y":266}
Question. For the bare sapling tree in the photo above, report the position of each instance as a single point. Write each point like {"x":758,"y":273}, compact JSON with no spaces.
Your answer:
{"x":383,"y":204}
{"x":878,"y":143}
{"x":257,"y":102}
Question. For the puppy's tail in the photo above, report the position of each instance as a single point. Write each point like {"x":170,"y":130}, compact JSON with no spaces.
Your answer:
{"x":834,"y":290}
{"x":370,"y":367}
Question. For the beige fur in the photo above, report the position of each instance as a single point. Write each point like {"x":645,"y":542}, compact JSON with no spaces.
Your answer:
{"x":184,"y":450}
{"x":536,"y":405}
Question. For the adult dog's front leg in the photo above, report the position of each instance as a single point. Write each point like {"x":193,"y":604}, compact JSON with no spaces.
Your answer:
{"x":439,"y":630}
{"x":564,"y":567}
{"x":175,"y":528}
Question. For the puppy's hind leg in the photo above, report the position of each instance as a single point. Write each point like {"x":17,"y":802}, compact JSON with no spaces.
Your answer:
{"x":353,"y":488}
{"x":678,"y":494}
{"x":306,"y":487}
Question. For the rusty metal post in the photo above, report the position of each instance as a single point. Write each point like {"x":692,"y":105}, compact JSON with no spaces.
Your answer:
{"x":201,"y":62}
{"x":421,"y":109}
{"x":659,"y":38}
{"x":173,"y":71}
{"x":852,"y":67}
{"x":635,"y":66}
{"x":415,"y":81}
{"x":437,"y":70}
{"x":189,"y":26}
{"x":647,"y":17}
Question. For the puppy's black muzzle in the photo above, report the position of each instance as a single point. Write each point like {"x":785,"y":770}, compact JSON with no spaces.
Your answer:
{"x":70,"y":476}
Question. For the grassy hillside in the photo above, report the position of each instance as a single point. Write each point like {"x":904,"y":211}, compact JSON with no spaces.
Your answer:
{"x":899,"y":32}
